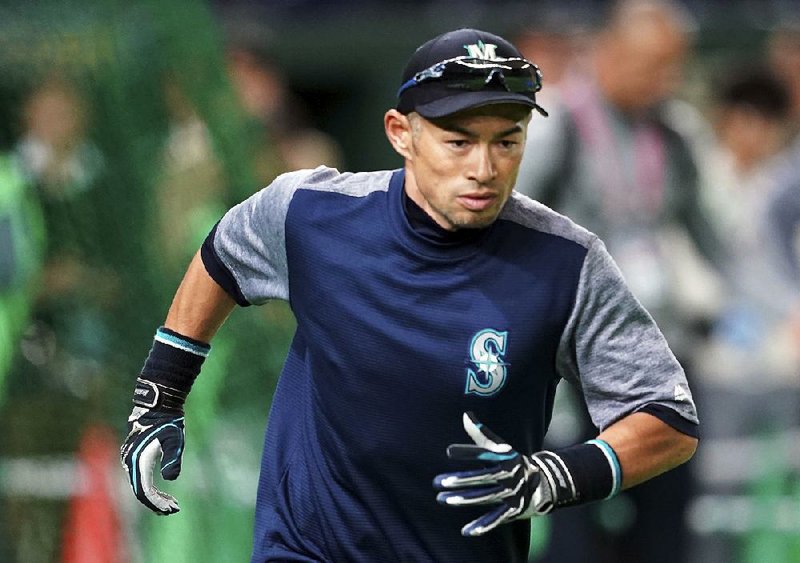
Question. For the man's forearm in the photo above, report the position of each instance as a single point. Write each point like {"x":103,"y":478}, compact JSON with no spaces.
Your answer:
{"x":646,"y":447}
{"x":200,"y":305}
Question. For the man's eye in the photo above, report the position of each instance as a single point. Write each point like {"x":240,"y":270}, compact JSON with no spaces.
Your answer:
{"x":506,"y":144}
{"x":458,"y":143}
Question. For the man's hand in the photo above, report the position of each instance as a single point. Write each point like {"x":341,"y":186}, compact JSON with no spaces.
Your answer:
{"x":153,"y":435}
{"x":520,"y":486}
{"x":155,"y":426}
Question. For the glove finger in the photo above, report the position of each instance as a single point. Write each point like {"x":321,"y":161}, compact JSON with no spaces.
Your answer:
{"x":477,"y":453}
{"x":142,"y":480}
{"x":172,"y":444}
{"x":477,"y":477}
{"x":164,"y":504}
{"x":489,"y":521}
{"x":484,"y":437}
{"x":470,"y":497}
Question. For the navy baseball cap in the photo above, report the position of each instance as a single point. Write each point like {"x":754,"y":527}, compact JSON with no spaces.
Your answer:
{"x":427,"y":90}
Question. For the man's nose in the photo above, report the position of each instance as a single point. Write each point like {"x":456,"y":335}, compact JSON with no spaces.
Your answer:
{"x":482,"y":169}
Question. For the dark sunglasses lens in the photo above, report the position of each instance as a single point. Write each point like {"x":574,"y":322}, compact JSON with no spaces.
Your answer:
{"x":518,"y":76}
{"x":521,"y":84}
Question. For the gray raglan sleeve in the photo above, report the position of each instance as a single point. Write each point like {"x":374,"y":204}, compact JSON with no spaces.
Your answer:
{"x":613,"y":350}
{"x":249,"y":243}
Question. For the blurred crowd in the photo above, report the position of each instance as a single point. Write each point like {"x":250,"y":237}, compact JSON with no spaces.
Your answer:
{"x":691,"y":179}
{"x":692,"y":201}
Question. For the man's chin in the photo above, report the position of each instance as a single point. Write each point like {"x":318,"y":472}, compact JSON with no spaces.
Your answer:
{"x":475,"y":221}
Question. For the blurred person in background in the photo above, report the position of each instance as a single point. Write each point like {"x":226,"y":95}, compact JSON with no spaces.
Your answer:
{"x":67,"y":342}
{"x":748,"y":365}
{"x":751,"y":119}
{"x":289,"y":141}
{"x":556,"y":36}
{"x":191,"y":189}
{"x":627,"y":173}
{"x":752,"y":123}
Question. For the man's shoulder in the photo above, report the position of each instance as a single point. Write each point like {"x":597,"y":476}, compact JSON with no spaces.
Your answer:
{"x":327,"y":179}
{"x":536,"y":216}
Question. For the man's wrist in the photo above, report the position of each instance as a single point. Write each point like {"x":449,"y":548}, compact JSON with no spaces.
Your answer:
{"x":172,"y":365}
{"x":579,"y":474}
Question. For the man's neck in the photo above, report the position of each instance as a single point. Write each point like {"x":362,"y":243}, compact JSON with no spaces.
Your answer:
{"x":424,"y":225}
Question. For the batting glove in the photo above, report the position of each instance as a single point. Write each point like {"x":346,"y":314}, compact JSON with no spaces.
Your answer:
{"x":521,"y":486}
{"x":155,"y":433}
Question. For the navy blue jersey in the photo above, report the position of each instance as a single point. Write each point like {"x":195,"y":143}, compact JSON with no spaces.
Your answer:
{"x":399,"y":334}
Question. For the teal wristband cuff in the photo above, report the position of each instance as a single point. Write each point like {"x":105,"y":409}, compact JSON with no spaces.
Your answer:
{"x":613,"y":462}
{"x":176,"y":340}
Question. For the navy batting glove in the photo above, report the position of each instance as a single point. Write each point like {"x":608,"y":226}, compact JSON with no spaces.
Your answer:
{"x":154,"y":434}
{"x":511,"y":483}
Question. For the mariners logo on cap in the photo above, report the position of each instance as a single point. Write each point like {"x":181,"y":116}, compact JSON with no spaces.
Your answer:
{"x":481,"y":50}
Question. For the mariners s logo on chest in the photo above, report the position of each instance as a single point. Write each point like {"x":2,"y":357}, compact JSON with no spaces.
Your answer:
{"x":486,"y":367}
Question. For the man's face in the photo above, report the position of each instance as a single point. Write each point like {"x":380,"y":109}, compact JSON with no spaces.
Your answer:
{"x":461,"y":169}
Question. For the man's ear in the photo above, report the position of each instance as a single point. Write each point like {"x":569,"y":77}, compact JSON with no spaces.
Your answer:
{"x":398,"y":131}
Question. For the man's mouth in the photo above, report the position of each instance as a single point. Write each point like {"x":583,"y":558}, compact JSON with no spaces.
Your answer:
{"x":477,"y":202}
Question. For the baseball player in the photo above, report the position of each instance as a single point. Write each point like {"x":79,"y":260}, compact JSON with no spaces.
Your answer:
{"x":437,"y":310}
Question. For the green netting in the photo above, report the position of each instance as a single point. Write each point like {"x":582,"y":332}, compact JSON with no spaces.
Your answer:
{"x":169,"y":151}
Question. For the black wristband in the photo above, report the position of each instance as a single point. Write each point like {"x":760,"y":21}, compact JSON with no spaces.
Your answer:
{"x":168,"y":373}
{"x":581,"y":473}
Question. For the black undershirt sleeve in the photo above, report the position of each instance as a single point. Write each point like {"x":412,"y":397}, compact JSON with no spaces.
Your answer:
{"x":219,"y":272}
{"x":672,"y":418}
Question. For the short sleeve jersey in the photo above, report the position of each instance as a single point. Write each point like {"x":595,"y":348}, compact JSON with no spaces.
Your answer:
{"x":398,"y":335}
